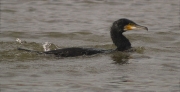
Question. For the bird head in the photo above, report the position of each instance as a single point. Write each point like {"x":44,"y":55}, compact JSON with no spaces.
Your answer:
{"x":123,"y":25}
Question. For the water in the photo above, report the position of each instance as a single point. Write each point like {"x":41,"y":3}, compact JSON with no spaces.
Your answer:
{"x":154,"y":67}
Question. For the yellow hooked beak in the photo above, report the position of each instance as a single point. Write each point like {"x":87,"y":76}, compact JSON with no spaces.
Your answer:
{"x":134,"y":27}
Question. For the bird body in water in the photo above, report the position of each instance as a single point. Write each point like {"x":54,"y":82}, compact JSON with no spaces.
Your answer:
{"x":117,"y":29}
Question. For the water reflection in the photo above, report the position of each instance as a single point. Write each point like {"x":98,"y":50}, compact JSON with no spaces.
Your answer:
{"x":123,"y":57}
{"x":120,"y":57}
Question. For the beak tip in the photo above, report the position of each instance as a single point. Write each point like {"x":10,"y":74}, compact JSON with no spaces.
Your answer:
{"x":146,"y":28}
{"x":142,"y":27}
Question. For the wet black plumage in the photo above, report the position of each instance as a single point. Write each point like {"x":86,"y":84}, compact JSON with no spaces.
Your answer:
{"x":116,"y":31}
{"x":74,"y":51}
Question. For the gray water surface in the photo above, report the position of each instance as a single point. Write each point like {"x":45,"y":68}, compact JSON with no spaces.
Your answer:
{"x":153,"y":67}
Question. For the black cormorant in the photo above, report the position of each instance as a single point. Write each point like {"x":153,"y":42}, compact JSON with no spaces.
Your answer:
{"x":117,"y":29}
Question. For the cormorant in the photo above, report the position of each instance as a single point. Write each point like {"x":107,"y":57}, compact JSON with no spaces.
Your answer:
{"x":117,"y":29}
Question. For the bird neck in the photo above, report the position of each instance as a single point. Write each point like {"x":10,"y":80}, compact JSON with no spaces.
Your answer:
{"x":120,"y":40}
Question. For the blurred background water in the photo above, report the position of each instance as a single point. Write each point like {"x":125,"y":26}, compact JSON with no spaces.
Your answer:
{"x":154,"y":67}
